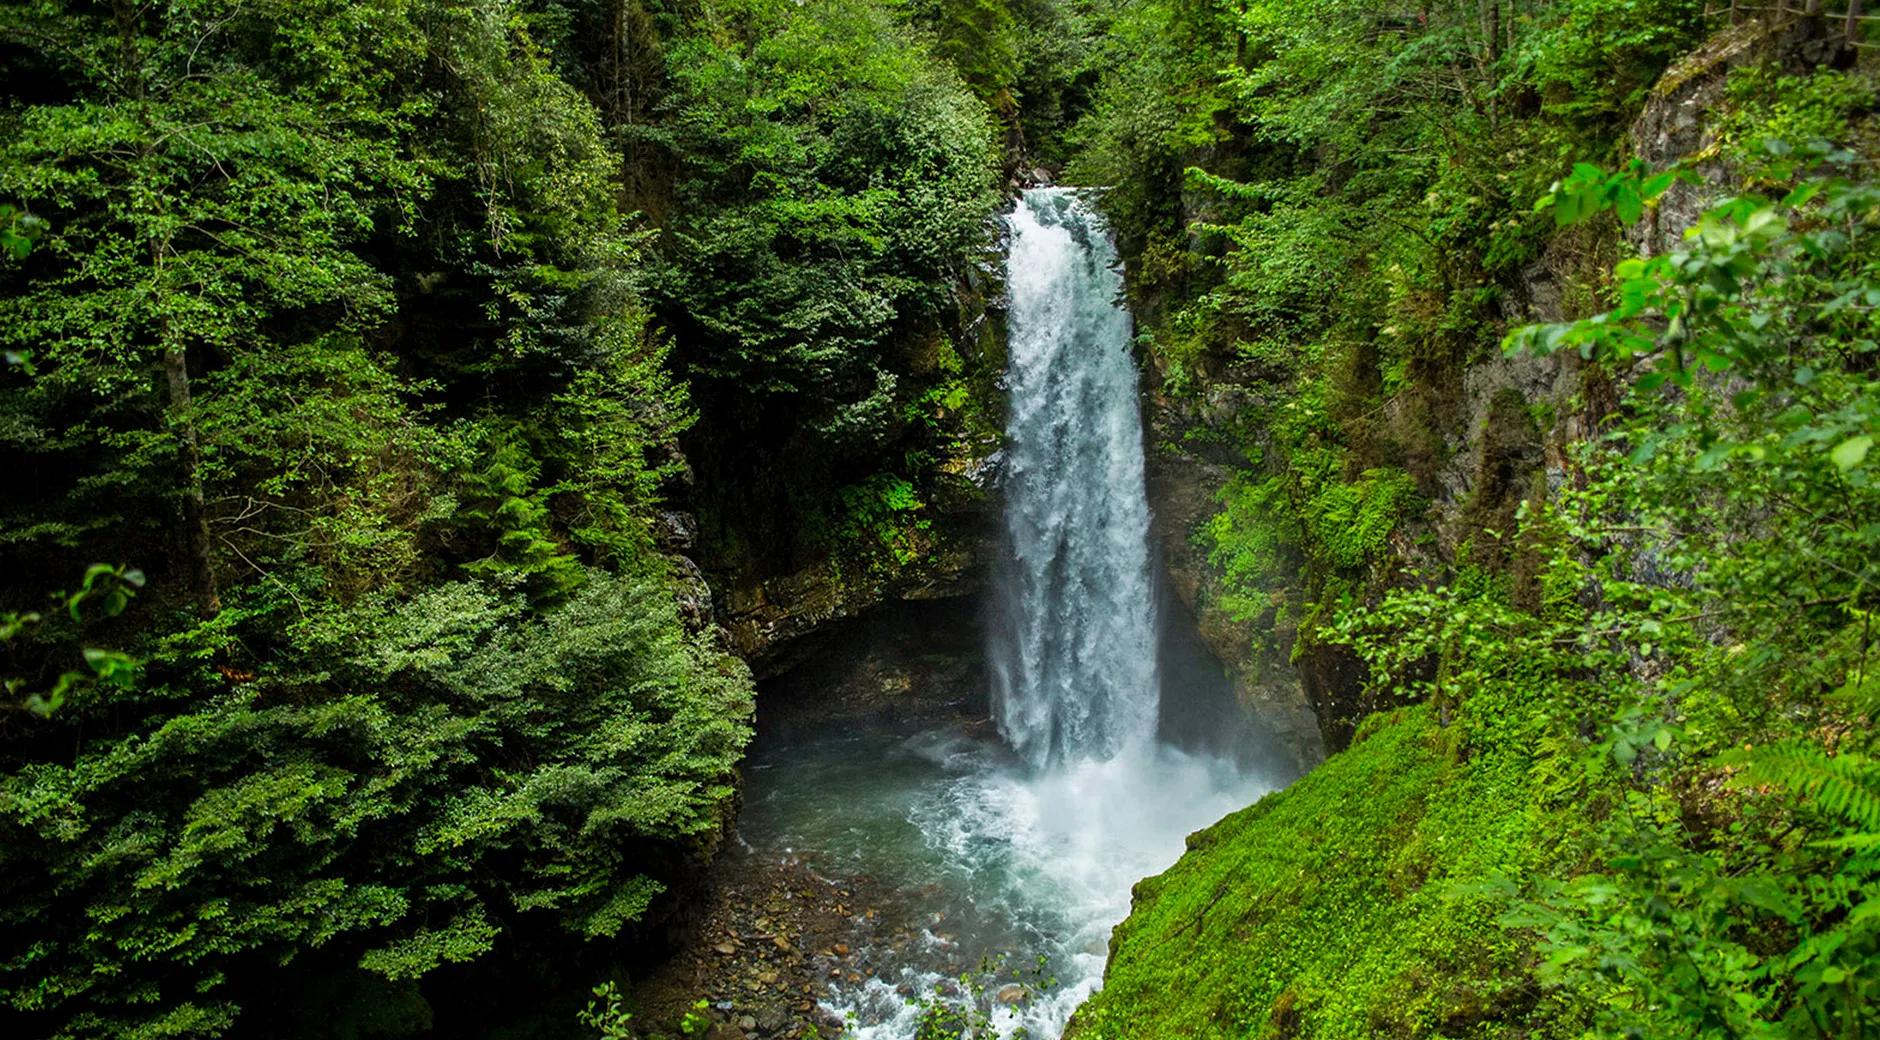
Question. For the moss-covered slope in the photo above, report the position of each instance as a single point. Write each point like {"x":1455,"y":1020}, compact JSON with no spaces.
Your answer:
{"x":1360,"y":902}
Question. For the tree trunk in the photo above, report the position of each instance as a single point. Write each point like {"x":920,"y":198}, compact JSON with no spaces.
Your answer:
{"x":175,"y":361}
{"x":195,"y":514}
{"x":1490,"y":25}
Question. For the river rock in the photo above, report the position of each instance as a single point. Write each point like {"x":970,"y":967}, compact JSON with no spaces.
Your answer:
{"x":1012,"y":993}
{"x":747,"y":1023}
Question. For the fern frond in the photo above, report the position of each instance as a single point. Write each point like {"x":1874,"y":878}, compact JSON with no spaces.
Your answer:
{"x":1844,"y":785}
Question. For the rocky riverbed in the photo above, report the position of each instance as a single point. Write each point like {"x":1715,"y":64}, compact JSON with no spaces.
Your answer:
{"x":779,"y":930}
{"x":771,"y":937}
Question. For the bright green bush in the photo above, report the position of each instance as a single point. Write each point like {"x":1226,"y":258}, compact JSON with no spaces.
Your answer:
{"x":1359,"y":902}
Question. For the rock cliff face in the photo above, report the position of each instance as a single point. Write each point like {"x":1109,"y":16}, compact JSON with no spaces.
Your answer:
{"x":1486,"y":442}
{"x":1500,"y":433}
{"x":1183,"y":484}
{"x":774,"y":623}
{"x":776,"y":597}
{"x":1677,"y":124}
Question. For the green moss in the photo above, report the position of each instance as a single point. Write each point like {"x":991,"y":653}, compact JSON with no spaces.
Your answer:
{"x":1360,"y":902}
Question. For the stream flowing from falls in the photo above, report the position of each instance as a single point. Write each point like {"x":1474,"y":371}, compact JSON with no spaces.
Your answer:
{"x":1011,"y":860}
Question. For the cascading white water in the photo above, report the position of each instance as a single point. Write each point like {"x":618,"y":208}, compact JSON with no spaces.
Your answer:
{"x":1073,"y":646}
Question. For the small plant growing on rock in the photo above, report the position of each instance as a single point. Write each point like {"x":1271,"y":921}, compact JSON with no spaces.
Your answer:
{"x":697,"y":1019}
{"x":607,"y":1015}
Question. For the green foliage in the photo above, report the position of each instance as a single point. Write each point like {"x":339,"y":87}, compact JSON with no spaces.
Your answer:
{"x":104,"y":592}
{"x":1594,"y":61}
{"x":1341,"y":528}
{"x":1353,"y":520}
{"x":1324,"y":208}
{"x":880,"y":520}
{"x":1765,"y":104}
{"x":477,"y":763}
{"x":1684,"y":689}
{"x":1666,"y":658}
{"x":1755,"y":916}
{"x":833,"y":179}
{"x":503,"y":499}
{"x":18,"y":231}
{"x":826,"y":224}
{"x":697,"y":1018}
{"x":1739,"y":931}
{"x":337,"y":299}
{"x":606,"y":1015}
{"x":980,"y":39}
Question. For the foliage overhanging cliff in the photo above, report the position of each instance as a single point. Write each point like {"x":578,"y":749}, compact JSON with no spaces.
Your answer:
{"x":1610,"y":587}
{"x":384,"y":354}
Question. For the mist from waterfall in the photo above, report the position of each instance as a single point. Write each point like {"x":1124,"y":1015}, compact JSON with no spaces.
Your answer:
{"x":1073,"y":641}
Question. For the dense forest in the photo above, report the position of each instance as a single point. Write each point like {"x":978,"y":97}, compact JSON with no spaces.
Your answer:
{"x":421,"y":419}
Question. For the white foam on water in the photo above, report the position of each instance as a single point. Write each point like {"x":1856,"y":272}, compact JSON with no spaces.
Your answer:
{"x":1056,"y":853}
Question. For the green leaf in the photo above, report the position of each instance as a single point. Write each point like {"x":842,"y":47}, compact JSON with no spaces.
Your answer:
{"x":1629,"y":205}
{"x":1802,"y":193}
{"x":1850,"y":453}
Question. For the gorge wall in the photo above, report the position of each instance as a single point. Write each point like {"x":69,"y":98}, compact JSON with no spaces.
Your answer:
{"x":1405,"y":462}
{"x":1479,"y":430}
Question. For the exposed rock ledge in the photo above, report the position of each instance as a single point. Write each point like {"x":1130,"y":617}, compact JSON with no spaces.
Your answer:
{"x":1183,"y":485}
{"x":774,"y":624}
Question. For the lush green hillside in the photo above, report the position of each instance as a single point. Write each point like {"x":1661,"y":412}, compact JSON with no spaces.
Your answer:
{"x":1623,"y":566}
{"x":1359,"y":902}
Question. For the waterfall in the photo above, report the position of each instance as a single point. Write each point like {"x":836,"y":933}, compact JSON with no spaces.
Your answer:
{"x":1025,"y":865}
{"x":1073,"y":641}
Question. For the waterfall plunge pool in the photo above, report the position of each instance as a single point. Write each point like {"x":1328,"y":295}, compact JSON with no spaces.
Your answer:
{"x":877,"y":768}
{"x":977,"y":863}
